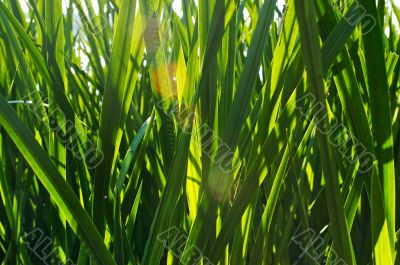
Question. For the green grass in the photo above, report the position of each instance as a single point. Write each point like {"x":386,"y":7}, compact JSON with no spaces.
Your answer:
{"x":227,"y":132}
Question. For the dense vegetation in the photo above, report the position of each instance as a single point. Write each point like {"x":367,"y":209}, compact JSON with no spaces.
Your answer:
{"x":221,"y":132}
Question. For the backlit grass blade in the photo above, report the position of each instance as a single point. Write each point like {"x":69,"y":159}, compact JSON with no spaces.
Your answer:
{"x":350,"y":96}
{"x":53,"y":47}
{"x":240,"y":105}
{"x":381,"y":123}
{"x":255,"y":176}
{"x":110,"y":132}
{"x":131,"y":152}
{"x":264,"y":228}
{"x":40,"y":63}
{"x":163,"y":218}
{"x":55,"y":184}
{"x":312,"y":58}
{"x":218,"y":181}
{"x":131,"y":187}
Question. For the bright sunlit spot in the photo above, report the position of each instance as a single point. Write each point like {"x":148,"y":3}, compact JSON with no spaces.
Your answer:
{"x":177,"y":7}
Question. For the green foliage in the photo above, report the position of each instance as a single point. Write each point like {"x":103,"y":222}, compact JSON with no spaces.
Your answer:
{"x":223,"y":132}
